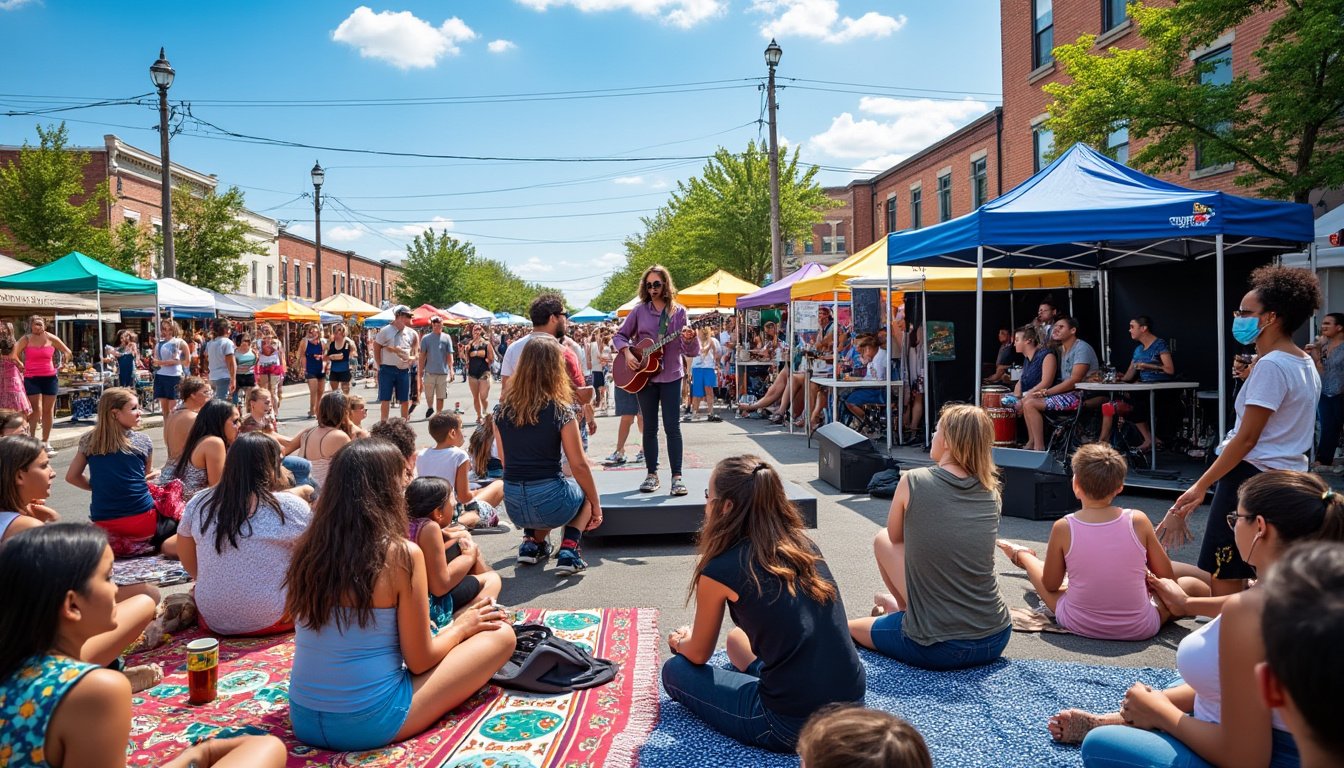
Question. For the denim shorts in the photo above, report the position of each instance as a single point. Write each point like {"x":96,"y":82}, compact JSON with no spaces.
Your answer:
{"x":165,"y":387}
{"x":703,"y":382}
{"x":221,"y":387}
{"x":1121,"y":746}
{"x":890,"y":640}
{"x":547,"y":504}
{"x":626,"y":403}
{"x":729,"y":701}
{"x":40,"y":385}
{"x":369,"y":728}
{"x":393,"y":381}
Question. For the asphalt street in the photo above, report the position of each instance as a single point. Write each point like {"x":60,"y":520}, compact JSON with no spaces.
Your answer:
{"x":655,"y":571}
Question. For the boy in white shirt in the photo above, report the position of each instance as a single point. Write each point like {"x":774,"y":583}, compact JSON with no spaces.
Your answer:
{"x":448,"y":460}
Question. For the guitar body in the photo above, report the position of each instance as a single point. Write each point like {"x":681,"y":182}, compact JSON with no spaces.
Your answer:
{"x":648,"y":363}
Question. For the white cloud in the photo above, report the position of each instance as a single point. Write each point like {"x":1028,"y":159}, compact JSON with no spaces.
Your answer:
{"x":678,"y":13}
{"x":659,"y":184}
{"x":610,"y":260}
{"x":500,"y":46}
{"x":629,"y":180}
{"x":821,"y":20}
{"x":12,"y":5}
{"x":343,"y":234}
{"x":533,"y":266}
{"x":903,"y":128}
{"x":302,"y":230}
{"x":408,"y":231}
{"x":401,"y":38}
{"x":391,"y":255}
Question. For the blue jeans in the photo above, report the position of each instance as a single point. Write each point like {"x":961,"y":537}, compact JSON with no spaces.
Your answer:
{"x":221,"y":388}
{"x":730,"y":702}
{"x":1120,"y":746}
{"x":1331,"y":413}
{"x":301,"y":469}
{"x":393,"y":381}
{"x":369,"y":728}
{"x":543,"y":504}
{"x":890,"y":640}
{"x":664,"y":396}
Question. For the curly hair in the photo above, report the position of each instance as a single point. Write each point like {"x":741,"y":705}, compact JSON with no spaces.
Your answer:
{"x":1289,"y":292}
{"x":398,"y":432}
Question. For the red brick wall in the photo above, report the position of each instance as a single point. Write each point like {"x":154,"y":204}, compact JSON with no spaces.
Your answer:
{"x":297,"y":250}
{"x":954,"y":152}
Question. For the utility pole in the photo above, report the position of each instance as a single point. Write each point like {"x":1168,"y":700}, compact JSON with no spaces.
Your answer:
{"x":319,"y":176}
{"x":162,"y":73}
{"x":773,"y":53}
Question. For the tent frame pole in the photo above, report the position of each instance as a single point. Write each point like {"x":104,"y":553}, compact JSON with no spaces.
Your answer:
{"x":1222,"y":335}
{"x":886,"y":375}
{"x":924,"y":322}
{"x":788,"y":368}
{"x":979,"y":321}
{"x":102,"y":371}
{"x":835,"y":352}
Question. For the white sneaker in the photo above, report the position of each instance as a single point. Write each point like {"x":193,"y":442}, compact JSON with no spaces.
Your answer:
{"x":50,"y":450}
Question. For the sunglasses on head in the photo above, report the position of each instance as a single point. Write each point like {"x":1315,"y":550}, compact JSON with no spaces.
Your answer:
{"x":655,"y":285}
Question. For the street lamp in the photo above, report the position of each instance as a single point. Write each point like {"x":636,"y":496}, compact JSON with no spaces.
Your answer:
{"x":773,"y":53}
{"x":382,"y":276}
{"x":161,"y":72}
{"x":319,"y":176}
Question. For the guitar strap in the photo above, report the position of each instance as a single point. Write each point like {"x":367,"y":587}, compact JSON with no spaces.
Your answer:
{"x":662,"y":323}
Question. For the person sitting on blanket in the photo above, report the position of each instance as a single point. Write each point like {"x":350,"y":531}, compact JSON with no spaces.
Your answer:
{"x":936,"y":555}
{"x":246,"y":529}
{"x":1217,"y":715}
{"x":1106,"y":553}
{"x":367,"y":669}
{"x":202,"y":461}
{"x":118,"y":458}
{"x":194,"y":393}
{"x":790,"y":649}
{"x":457,"y":571}
{"x":61,"y":709}
{"x":448,"y":460}
{"x":853,"y":737}
{"x":1303,"y":673}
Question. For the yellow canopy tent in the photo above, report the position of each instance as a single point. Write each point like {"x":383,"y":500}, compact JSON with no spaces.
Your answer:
{"x":625,"y":308}
{"x":869,"y":262}
{"x":721,"y":289}
{"x":347,"y":306}
{"x":289,"y":311}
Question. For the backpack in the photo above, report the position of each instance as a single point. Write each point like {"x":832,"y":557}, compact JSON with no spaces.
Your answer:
{"x":883,"y":484}
{"x":544,"y":663}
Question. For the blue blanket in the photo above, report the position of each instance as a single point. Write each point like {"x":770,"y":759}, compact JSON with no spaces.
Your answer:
{"x":992,"y":716}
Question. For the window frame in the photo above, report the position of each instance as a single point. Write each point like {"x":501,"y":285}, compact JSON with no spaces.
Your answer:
{"x":1042,"y":36}
{"x":891,"y":213}
{"x":944,"y":190}
{"x":1038,"y":160}
{"x":916,"y":207}
{"x":979,"y":182}
{"x":1201,"y":164}
{"x":270,"y":279}
{"x":1108,"y":8}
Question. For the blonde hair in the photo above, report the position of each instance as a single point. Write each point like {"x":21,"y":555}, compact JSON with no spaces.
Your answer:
{"x":107,"y":436}
{"x":1099,"y":469}
{"x":339,"y":327}
{"x":969,"y":436}
{"x":669,"y":290}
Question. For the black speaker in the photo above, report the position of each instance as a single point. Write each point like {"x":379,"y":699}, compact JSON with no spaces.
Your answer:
{"x":846,"y":459}
{"x":1036,"y":485}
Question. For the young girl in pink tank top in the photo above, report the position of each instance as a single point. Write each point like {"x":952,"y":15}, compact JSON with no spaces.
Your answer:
{"x":1106,"y":553}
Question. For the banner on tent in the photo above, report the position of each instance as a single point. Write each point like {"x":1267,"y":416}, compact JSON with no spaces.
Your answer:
{"x":805,"y":316}
{"x":44,"y":300}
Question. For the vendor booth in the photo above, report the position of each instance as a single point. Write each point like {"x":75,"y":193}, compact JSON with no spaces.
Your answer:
{"x":720,"y":290}
{"x":346,"y":306}
{"x":588,"y":315}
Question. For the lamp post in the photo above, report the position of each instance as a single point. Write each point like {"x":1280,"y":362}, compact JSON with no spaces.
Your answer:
{"x":161,"y":72}
{"x":319,"y":176}
{"x":773,"y":53}
{"x":382,"y":277}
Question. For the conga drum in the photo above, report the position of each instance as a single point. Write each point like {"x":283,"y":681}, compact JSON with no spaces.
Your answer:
{"x":992,"y":397}
{"x":1005,"y":426}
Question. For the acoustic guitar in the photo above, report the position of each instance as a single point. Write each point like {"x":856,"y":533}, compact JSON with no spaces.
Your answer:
{"x":648,"y":355}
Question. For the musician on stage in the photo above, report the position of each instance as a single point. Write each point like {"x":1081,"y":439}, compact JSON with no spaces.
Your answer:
{"x":657,"y":316}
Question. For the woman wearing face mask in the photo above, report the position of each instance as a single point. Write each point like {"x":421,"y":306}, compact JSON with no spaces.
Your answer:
{"x":1276,"y":417}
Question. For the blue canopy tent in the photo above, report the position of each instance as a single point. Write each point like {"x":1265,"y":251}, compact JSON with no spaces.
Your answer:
{"x":588,"y":315}
{"x":1087,"y":212}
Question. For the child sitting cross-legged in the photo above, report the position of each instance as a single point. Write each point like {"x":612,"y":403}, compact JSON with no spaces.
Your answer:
{"x":448,"y":460}
{"x":1106,"y":552}
{"x":842,"y":736}
{"x":458,"y":573}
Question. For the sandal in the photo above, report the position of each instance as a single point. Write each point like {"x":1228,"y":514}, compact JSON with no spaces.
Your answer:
{"x":143,"y":676}
{"x":649,"y":485}
{"x":178,"y":612}
{"x":678,"y":486}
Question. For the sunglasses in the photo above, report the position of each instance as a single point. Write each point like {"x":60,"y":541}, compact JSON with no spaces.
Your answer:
{"x":1232,"y":519}
{"x":655,"y":285}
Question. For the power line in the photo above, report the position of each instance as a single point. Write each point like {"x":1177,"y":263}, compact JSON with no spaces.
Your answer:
{"x":870,"y":93}
{"x":894,"y":87}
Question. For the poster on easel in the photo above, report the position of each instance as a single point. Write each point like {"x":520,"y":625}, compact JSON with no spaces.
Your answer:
{"x":942,"y":341}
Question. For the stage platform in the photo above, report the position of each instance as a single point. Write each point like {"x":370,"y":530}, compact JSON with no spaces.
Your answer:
{"x":627,"y":512}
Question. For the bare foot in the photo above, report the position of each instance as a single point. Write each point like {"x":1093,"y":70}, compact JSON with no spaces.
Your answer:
{"x":1013,"y":551}
{"x":887,"y":602}
{"x":1071,"y":725}
{"x":143,"y":676}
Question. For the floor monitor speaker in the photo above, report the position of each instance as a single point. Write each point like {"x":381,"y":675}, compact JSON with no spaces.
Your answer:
{"x":846,"y":459}
{"x":1036,"y":485}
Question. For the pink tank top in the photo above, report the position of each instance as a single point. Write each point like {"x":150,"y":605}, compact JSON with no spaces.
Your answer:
{"x":37,"y":361}
{"x":1107,"y":596}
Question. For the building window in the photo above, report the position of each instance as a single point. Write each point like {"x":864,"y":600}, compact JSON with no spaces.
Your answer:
{"x":945,"y":196}
{"x":309,"y":274}
{"x":294,"y":287}
{"x":1215,"y":70}
{"x":979,"y":182}
{"x":1117,"y":143}
{"x":891,"y":213}
{"x":270,"y":280}
{"x":916,"y":208}
{"x":1043,"y":144}
{"x":807,"y":246}
{"x":1113,"y":14}
{"x":255,"y":271}
{"x":1043,"y":32}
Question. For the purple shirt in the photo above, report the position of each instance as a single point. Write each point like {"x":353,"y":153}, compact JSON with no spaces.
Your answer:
{"x":643,"y":322}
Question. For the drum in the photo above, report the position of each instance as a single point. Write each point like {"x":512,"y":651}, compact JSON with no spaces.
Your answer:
{"x":992,"y":397}
{"x":1005,"y":426}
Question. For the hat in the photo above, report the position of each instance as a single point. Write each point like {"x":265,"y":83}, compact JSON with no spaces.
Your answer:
{"x":436,"y":319}
{"x":402,"y":309}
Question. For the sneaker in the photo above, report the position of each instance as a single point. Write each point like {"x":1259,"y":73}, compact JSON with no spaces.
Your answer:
{"x":49,"y":449}
{"x":687,"y":418}
{"x":414,"y":404}
{"x":714,"y":417}
{"x":568,"y":562}
{"x":616,"y":459}
{"x":639,"y":458}
{"x":531,"y":552}
{"x":429,"y":412}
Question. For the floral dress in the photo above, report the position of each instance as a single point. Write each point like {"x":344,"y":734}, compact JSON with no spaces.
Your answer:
{"x":11,"y":387}
{"x":28,"y":698}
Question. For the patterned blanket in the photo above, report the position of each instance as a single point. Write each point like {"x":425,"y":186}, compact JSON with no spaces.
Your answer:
{"x":495,"y":729}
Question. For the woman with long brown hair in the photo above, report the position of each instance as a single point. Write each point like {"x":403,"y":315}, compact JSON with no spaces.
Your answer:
{"x":320,"y":443}
{"x":367,"y":670}
{"x":480,"y":358}
{"x":535,"y":424}
{"x":657,"y":315}
{"x":791,"y":649}
{"x":936,"y":555}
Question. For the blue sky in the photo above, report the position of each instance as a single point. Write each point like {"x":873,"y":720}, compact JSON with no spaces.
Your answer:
{"x":394,"y":77}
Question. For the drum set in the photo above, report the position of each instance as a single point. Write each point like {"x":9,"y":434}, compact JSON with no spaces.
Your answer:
{"x":1003,"y":417}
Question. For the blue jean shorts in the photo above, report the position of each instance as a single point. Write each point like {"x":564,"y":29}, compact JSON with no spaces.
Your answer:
{"x":393,"y":381}
{"x":165,"y":387}
{"x":703,"y":382}
{"x":369,"y":728}
{"x":626,"y":403}
{"x":890,"y":640}
{"x":547,"y":504}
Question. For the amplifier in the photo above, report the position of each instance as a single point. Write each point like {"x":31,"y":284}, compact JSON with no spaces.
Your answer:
{"x":1036,"y":486}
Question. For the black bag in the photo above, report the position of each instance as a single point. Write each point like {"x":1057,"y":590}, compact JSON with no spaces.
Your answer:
{"x":883,"y":484}
{"x":544,"y":663}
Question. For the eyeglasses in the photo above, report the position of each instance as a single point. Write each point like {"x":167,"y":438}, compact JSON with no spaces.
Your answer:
{"x":1232,"y":519}
{"x":655,"y":285}
{"x":1246,"y":313}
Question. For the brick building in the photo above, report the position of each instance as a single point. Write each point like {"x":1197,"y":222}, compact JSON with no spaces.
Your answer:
{"x":830,"y":241}
{"x":343,"y":272}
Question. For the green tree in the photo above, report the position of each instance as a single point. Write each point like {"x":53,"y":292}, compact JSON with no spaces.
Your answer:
{"x":491,"y":284}
{"x":209,"y":239}
{"x":36,"y":201}
{"x":433,"y":270}
{"x":1280,"y":121}
{"x":129,"y":248}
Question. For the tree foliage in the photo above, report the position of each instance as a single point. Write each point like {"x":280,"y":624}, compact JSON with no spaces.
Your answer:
{"x":130,"y":248}
{"x":720,"y":220}
{"x":36,"y":194}
{"x":441,"y":270}
{"x":209,"y":239}
{"x":1282,"y":123}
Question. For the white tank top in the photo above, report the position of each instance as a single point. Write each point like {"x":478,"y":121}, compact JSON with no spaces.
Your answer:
{"x":1197,"y":661}
{"x":169,"y":349}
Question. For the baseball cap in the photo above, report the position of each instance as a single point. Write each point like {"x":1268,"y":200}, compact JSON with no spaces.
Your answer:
{"x":436,"y":319}
{"x":401,"y":309}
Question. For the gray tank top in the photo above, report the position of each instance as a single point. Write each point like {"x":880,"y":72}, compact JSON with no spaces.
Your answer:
{"x":950,"y":527}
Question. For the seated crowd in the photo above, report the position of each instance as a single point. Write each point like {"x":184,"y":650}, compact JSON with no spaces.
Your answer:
{"x":364,"y":551}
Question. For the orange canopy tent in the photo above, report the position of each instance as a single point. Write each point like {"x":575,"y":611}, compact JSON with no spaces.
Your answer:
{"x":289,"y":311}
